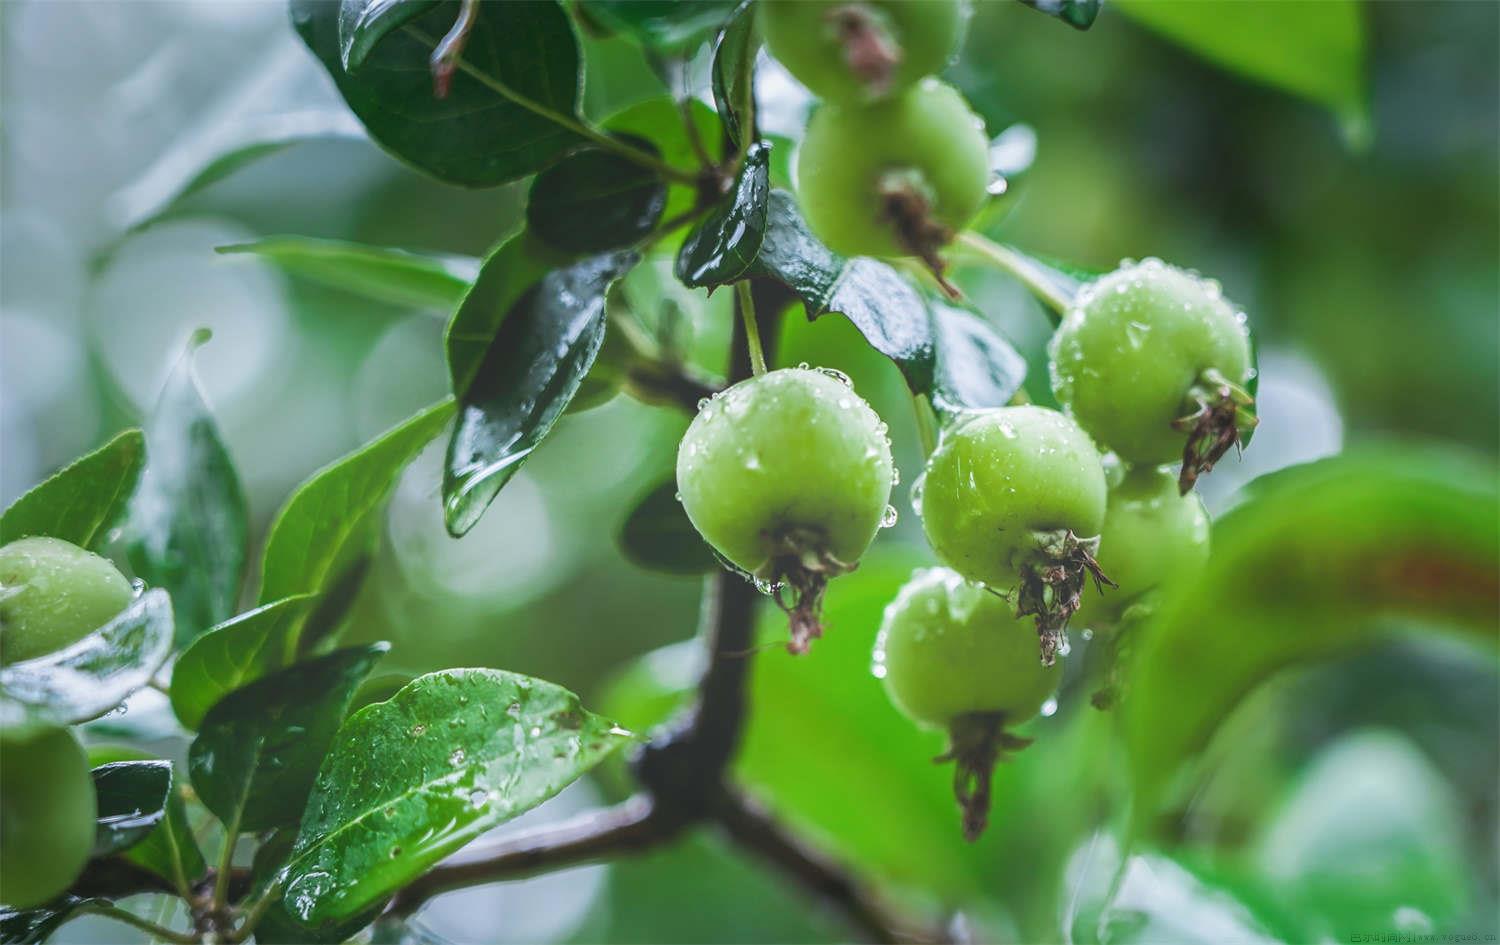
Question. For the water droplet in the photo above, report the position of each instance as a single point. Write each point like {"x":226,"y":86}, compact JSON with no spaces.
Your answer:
{"x":888,"y":517}
{"x":457,"y":758}
{"x":1049,"y":708}
{"x":418,"y":729}
{"x":478,"y":797}
{"x":536,"y":731}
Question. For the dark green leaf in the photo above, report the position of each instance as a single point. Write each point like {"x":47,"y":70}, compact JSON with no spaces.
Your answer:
{"x":327,"y":618}
{"x":723,"y":247}
{"x":659,"y":537}
{"x":1314,"y":50}
{"x":506,"y":274}
{"x":665,"y":123}
{"x":393,"y":276}
{"x":976,"y":367}
{"x":82,"y":500}
{"x":412,"y":779}
{"x":188,"y":525}
{"x":196,"y":161}
{"x":316,"y":522}
{"x":595,"y":200}
{"x":132,"y":801}
{"x":480,"y":134}
{"x":91,"y":677}
{"x":169,"y":851}
{"x":1302,"y":570}
{"x":233,"y":654}
{"x":733,"y":73}
{"x":666,"y":26}
{"x":35,"y":926}
{"x":883,"y":306}
{"x":379,"y":689}
{"x":364,"y":23}
{"x":1079,"y":14}
{"x":535,"y":362}
{"x":259,"y":748}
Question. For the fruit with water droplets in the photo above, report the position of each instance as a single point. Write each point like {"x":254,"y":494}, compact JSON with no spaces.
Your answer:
{"x":860,"y":51}
{"x":47,"y":813}
{"x":54,"y":593}
{"x":898,"y":178}
{"x":788,"y":475}
{"x":1143,"y":359}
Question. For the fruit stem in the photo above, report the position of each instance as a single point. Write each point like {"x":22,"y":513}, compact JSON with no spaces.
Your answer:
{"x":1033,"y":276}
{"x":976,"y":743}
{"x":745,"y":302}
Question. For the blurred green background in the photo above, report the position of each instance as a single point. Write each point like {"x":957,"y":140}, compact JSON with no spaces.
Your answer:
{"x":1370,"y":275}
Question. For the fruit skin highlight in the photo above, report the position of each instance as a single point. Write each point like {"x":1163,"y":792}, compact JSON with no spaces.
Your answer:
{"x":861,"y":51}
{"x":1132,"y":357}
{"x":897,"y":178}
{"x":788,"y":476}
{"x":52,"y":594}
{"x":47,"y":813}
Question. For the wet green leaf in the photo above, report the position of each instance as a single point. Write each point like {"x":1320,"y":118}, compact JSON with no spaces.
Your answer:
{"x":233,"y":654}
{"x":259,"y":748}
{"x":733,"y":73}
{"x":379,"y":273}
{"x":1079,"y":14}
{"x":975,"y":366}
{"x":478,"y":135}
{"x":534,"y":364}
{"x":169,"y":851}
{"x":188,"y":526}
{"x":327,"y":617}
{"x":664,"y":26}
{"x":321,"y":516}
{"x":132,"y":800}
{"x":412,"y":779}
{"x":722,"y":248}
{"x":81,"y":501}
{"x":1313,"y":50}
{"x":659,"y":537}
{"x":594,"y":200}
{"x":883,"y":306}
{"x":91,"y":677}
{"x":665,"y":123}
{"x":1302,"y":570}
{"x":35,"y":926}
{"x":379,"y":689}
{"x":364,"y":23}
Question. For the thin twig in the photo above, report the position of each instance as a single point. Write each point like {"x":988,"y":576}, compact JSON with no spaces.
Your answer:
{"x":745,"y":302}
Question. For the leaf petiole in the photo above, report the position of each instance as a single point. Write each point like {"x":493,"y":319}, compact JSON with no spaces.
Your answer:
{"x":746,"y":304}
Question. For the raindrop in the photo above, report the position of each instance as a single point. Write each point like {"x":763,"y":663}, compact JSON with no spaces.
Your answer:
{"x":457,"y":758}
{"x":888,"y":517}
{"x":1049,"y":708}
{"x":477,"y":797}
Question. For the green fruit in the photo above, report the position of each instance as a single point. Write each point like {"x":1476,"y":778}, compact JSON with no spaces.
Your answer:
{"x":54,"y":593}
{"x":1002,"y":484}
{"x":860,"y":51}
{"x":793,"y":455}
{"x":949,"y":648}
{"x":47,"y":814}
{"x":1153,"y":538}
{"x":889,"y":179}
{"x":1128,"y":355}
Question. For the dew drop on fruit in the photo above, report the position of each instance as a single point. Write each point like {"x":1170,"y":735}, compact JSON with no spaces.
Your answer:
{"x":802,"y":365}
{"x":477,"y":797}
{"x":1136,"y":334}
{"x":888,"y":517}
{"x":836,"y":374}
{"x":895,"y":475}
{"x":1049,"y":708}
{"x":916,"y":492}
{"x":1064,"y":648}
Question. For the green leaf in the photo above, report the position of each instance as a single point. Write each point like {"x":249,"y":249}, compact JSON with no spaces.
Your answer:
{"x":1306,"y":568}
{"x":1079,"y":14}
{"x":664,"y":26}
{"x":316,"y":522}
{"x":976,"y":367}
{"x":536,"y":359}
{"x":659,"y":537}
{"x":188,"y":527}
{"x":196,"y":161}
{"x":594,"y":200}
{"x":486,"y":131}
{"x":883,"y":306}
{"x":233,"y":654}
{"x":665,"y":123}
{"x":723,"y":247}
{"x":91,"y":677}
{"x":733,"y":73}
{"x":35,"y":926}
{"x":132,"y":802}
{"x":412,"y":779}
{"x":364,"y":23}
{"x":258,"y":750}
{"x":379,"y":273}
{"x":82,"y":501}
{"x":508,"y":273}
{"x":334,"y":605}
{"x":379,"y":689}
{"x":169,"y":851}
{"x":1312,"y":50}
{"x":1055,"y":284}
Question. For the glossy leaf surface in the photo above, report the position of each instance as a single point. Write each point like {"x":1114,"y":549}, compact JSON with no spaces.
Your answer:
{"x":132,"y":798}
{"x":236,"y":652}
{"x":81,"y":501}
{"x":722,"y":248}
{"x":380,"y":273}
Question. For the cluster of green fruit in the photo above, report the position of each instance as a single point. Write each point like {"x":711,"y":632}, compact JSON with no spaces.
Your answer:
{"x":788,"y":475}
{"x":52,"y":594}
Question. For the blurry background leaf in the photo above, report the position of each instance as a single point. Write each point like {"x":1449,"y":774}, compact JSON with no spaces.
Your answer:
{"x":457,"y":752}
{"x":658,"y":536}
{"x":477,"y":136}
{"x":132,"y":798}
{"x":35,"y":926}
{"x":1076,"y":13}
{"x":595,"y":200}
{"x":676,"y":130}
{"x":187,"y":528}
{"x":419,"y":280}
{"x":723,"y":247}
{"x":666,"y":26}
{"x":735,"y":49}
{"x":81,"y":501}
{"x":235,"y":652}
{"x":259,"y":748}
